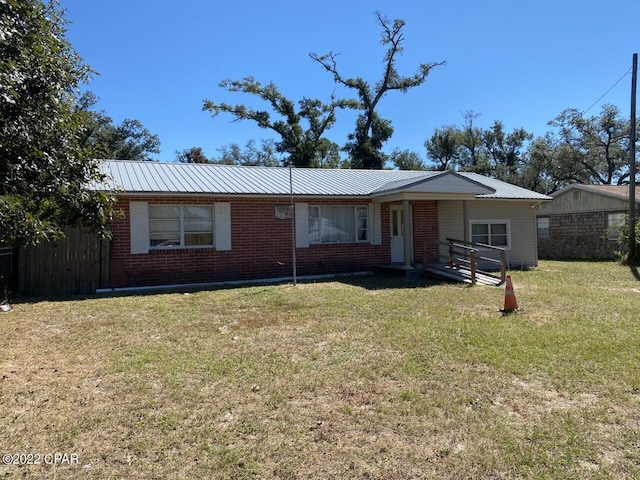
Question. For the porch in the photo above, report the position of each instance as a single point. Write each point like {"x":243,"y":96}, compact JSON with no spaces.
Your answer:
{"x":468,"y":262}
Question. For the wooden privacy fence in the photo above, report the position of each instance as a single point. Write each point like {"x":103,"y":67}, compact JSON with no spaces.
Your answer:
{"x":6,"y":270}
{"x":73,"y":265}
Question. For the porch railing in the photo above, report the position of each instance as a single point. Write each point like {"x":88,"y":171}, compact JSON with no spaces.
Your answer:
{"x":463,"y":255}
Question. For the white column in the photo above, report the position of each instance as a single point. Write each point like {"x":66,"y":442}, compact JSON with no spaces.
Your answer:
{"x":406,"y":233}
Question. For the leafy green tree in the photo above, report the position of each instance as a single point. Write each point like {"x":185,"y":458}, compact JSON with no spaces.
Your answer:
{"x":365,"y":144}
{"x":472,"y":156}
{"x":192,"y":155}
{"x":301,"y":145}
{"x":407,"y":160}
{"x":265,"y":155}
{"x":128,"y":141}
{"x":537,"y":173}
{"x":443,"y":147}
{"x":590,"y":150}
{"x":507,"y":152}
{"x":622,"y":229}
{"x":45,"y":172}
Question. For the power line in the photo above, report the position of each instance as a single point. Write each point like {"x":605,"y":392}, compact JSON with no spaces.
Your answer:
{"x":605,"y":93}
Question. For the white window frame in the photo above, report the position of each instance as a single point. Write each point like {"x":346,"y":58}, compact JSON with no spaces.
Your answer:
{"x":506,"y":222}
{"x":355,"y":209}
{"x":182,"y":232}
{"x":548,"y":228}
{"x":613,"y":233}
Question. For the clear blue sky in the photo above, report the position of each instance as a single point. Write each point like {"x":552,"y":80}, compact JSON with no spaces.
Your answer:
{"x":521,"y":62}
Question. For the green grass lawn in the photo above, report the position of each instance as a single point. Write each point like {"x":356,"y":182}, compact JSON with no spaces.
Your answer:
{"x":371,"y":377}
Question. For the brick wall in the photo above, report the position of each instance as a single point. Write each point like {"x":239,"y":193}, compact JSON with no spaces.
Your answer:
{"x":260,"y":246}
{"x":579,"y":236}
{"x":425,"y":227}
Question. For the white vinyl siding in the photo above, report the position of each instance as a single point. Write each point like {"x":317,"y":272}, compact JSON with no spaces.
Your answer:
{"x":523,"y":239}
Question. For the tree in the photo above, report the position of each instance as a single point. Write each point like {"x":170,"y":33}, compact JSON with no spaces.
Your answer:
{"x":128,"y":141}
{"x":192,"y":155}
{"x":301,"y":145}
{"x":590,"y":150}
{"x":407,"y":160}
{"x":506,"y":151}
{"x":443,"y":147}
{"x":472,"y":156}
{"x":537,"y":174}
{"x":45,"y":173}
{"x":252,"y":155}
{"x":365,"y":144}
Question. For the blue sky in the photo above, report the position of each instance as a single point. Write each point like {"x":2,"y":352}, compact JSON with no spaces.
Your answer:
{"x":521,"y":62}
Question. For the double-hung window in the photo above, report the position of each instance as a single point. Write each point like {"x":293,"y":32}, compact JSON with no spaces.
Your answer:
{"x":544,"y":232}
{"x":338,"y":224}
{"x":180,"y":226}
{"x":494,"y":232}
{"x":615,"y":222}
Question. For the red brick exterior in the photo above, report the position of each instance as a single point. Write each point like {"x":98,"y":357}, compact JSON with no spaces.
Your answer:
{"x":425,"y":227}
{"x":260,"y":245}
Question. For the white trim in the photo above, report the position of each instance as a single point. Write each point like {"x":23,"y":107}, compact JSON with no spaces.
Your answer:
{"x":492,"y":221}
{"x":375,"y":224}
{"x":182,"y":232}
{"x":355,"y":223}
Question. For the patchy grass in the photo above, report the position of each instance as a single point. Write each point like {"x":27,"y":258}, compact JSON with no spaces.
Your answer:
{"x":366,"y":378}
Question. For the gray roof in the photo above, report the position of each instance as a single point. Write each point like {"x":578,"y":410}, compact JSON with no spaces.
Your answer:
{"x":618,"y":191}
{"x":182,"y":178}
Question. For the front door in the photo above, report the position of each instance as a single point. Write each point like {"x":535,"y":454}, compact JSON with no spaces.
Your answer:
{"x":397,"y":238}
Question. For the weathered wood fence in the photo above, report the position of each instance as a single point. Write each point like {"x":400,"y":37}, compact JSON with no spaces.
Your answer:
{"x":76,"y":264}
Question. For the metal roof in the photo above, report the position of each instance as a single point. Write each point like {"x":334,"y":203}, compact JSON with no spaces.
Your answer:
{"x":618,"y":191}
{"x":504,"y":190}
{"x":183,"y":178}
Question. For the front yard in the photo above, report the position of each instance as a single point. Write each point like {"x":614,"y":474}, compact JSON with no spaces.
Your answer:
{"x":363,"y":378}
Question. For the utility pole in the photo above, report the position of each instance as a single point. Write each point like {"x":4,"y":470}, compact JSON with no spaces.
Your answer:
{"x":292,"y":206}
{"x":632,"y":163}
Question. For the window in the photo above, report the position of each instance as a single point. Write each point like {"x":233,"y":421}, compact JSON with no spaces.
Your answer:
{"x":543,"y":228}
{"x":495,"y":233}
{"x":576,"y":195}
{"x":614,"y":222}
{"x":180,"y":226}
{"x":283,"y":212}
{"x":338,"y":224}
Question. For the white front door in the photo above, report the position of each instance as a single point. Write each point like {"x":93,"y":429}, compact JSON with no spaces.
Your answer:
{"x":397,"y":238}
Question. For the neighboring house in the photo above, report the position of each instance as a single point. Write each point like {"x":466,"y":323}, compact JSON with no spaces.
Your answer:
{"x":194,"y":223}
{"x":582,"y":221}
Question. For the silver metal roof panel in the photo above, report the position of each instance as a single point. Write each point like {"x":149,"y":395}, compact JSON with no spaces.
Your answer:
{"x":177,"y":178}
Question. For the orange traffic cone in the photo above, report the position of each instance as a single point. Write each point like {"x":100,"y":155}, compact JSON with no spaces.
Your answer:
{"x":510,"y":303}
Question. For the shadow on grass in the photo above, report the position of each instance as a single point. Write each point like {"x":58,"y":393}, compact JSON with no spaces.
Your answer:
{"x":634,"y":271}
{"x":378,"y":281}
